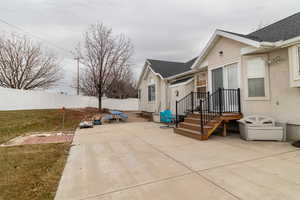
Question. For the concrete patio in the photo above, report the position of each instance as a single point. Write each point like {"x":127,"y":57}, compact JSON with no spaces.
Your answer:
{"x":140,"y":161}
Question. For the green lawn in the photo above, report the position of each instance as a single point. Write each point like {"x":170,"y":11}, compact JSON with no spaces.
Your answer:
{"x":32,"y":172}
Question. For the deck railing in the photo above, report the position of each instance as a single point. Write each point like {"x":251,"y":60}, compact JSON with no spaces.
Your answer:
{"x":209,"y":106}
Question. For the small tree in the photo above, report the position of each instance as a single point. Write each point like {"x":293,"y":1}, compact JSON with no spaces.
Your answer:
{"x":107,"y":58}
{"x":24,"y":65}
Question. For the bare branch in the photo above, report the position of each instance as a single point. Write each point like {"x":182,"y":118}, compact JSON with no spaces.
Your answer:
{"x":107,"y":58}
{"x":23,"y":64}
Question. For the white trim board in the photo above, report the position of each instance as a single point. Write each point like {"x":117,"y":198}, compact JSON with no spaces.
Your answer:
{"x":215,"y":37}
{"x":183,"y":83}
{"x":147,"y":65}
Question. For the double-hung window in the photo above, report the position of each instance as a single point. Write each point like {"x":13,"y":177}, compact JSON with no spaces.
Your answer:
{"x":151,"y":92}
{"x":256,"y":75}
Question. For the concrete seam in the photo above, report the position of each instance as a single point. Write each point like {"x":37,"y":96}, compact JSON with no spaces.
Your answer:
{"x":196,"y":172}
{"x":138,"y":185}
{"x":245,"y":161}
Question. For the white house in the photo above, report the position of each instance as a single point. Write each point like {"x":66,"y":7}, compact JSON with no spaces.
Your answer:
{"x":263,"y":65}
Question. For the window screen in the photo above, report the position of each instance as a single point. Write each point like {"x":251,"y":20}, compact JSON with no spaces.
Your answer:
{"x":256,"y":77}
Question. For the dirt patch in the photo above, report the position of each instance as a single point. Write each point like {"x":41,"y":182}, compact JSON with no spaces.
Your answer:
{"x":136,"y":117}
{"x":40,"y":138}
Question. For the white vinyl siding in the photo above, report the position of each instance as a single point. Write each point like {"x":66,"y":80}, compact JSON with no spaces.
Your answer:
{"x":256,"y":73}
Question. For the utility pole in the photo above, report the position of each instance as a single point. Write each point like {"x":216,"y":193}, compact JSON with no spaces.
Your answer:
{"x":78,"y":60}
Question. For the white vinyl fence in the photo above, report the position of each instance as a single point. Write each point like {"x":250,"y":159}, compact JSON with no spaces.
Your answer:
{"x":13,"y":99}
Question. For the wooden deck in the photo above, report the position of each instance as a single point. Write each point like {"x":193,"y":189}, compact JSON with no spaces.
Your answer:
{"x":191,"y":125}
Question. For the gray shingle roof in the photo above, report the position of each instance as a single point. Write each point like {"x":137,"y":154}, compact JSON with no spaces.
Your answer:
{"x":284,"y":29}
{"x":167,"y":68}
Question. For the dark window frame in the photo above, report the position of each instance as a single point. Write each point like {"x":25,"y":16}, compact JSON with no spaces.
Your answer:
{"x":151,"y":92}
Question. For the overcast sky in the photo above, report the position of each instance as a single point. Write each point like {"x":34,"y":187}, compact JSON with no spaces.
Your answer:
{"x":160,"y":29}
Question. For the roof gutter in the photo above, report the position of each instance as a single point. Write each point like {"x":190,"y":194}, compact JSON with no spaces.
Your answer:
{"x":181,"y":74}
{"x":289,"y":42}
{"x":183,"y":83}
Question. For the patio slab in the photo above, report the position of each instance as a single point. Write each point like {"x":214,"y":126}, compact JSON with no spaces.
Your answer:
{"x":273,"y":178}
{"x":104,"y":162}
{"x":143,"y":161}
{"x":189,"y":187}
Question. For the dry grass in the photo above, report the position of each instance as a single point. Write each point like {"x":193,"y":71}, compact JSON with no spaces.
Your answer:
{"x":15,"y":123}
{"x":31,"y":171}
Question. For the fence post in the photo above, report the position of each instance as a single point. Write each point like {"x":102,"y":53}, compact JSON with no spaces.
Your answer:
{"x":220,"y":101}
{"x":176,"y":120}
{"x":201,"y":117}
{"x":192,"y":99}
{"x":239,"y":100}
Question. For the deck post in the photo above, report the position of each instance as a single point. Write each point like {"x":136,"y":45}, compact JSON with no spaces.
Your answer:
{"x":176,"y":117}
{"x":220,"y":101}
{"x":201,"y":118}
{"x":224,"y":133}
{"x":208,"y":102}
{"x":239,"y":100}
{"x":192,"y":99}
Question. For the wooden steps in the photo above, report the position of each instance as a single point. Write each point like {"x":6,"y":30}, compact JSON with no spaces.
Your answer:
{"x":191,"y":127}
{"x":189,"y":133}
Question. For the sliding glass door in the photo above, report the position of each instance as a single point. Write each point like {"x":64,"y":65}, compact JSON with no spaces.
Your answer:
{"x":225,"y":77}
{"x":230,"y":76}
{"x":217,"y":79}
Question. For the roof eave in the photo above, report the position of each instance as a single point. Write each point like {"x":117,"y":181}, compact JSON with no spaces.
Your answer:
{"x":148,"y":65}
{"x":289,"y":42}
{"x":270,"y":46}
{"x":183,"y":83}
{"x":181,"y":74}
{"x":220,"y":33}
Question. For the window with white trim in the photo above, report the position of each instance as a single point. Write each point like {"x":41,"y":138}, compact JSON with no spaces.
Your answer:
{"x":151,"y":92}
{"x":256,"y":74}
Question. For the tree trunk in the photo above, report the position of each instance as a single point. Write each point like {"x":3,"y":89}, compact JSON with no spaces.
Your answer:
{"x":100,"y":101}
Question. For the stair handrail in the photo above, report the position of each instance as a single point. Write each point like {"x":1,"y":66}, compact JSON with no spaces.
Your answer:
{"x":220,"y":100}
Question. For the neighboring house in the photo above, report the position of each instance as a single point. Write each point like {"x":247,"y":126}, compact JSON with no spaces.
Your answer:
{"x":163,"y":82}
{"x":264,"y":64}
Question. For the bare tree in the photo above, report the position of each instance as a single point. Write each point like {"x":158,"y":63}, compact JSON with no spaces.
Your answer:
{"x":107,"y":58}
{"x":124,"y":87}
{"x":24,"y":65}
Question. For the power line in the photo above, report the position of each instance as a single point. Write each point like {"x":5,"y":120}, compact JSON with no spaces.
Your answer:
{"x":40,"y":38}
{"x":36,"y":36}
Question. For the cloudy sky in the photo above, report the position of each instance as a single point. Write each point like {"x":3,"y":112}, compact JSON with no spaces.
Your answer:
{"x":161,"y":29}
